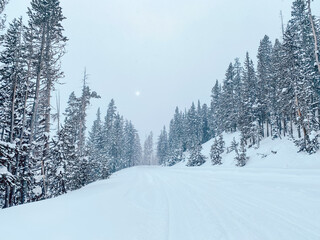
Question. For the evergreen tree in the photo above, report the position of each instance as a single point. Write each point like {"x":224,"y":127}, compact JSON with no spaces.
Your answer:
{"x":265,"y":88}
{"x":275,"y":91}
{"x":241,"y":157}
{"x":13,"y":84}
{"x":215,"y":110}
{"x":45,"y":28}
{"x":228,"y":98}
{"x":162,"y":147}
{"x":148,"y":150}
{"x":205,"y":123}
{"x":98,"y":163}
{"x":192,"y":127}
{"x":130,"y":148}
{"x":108,"y":129}
{"x":176,"y":139}
{"x":215,"y":153}
{"x":234,"y":146}
{"x":248,"y":101}
{"x":196,"y":158}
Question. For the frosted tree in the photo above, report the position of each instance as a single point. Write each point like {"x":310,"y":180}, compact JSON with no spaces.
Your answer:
{"x":176,"y":138}
{"x":192,"y":127}
{"x":98,"y":162}
{"x":204,"y":115}
{"x":241,"y":157}
{"x":162,"y":147}
{"x":275,"y":90}
{"x":265,"y":88}
{"x":148,"y":150}
{"x":13,"y":83}
{"x":137,"y":155}
{"x":228,"y":98}
{"x":215,"y":110}
{"x":196,"y":158}
{"x":248,"y":100}
{"x":48,"y":41}
{"x":215,"y":153}
{"x":234,"y":146}
{"x":108,"y":128}
{"x":70,"y":137}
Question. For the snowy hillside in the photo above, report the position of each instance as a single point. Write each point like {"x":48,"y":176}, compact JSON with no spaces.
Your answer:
{"x":278,"y":153}
{"x":262,"y":201}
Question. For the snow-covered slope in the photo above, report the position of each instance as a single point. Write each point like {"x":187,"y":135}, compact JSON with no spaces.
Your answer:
{"x":272,"y":198}
{"x":278,"y":153}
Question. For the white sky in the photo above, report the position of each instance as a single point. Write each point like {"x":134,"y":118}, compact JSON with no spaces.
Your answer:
{"x":170,"y":51}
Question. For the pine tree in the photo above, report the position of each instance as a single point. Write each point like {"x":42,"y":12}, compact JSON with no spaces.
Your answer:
{"x":176,"y":139}
{"x":237,"y":86}
{"x":129,"y":145}
{"x":248,"y":101}
{"x":137,"y":154}
{"x":228,"y":98}
{"x":108,"y":130}
{"x":56,"y":176}
{"x":12,"y":92}
{"x":117,"y":143}
{"x":196,"y":158}
{"x":234,"y":147}
{"x":275,"y":90}
{"x":215,"y":153}
{"x":148,"y":150}
{"x":70,"y":137}
{"x":265,"y":88}
{"x":205,"y":123}
{"x":45,"y":28}
{"x":241,"y":157}
{"x":162,"y":147}
{"x":192,"y":127}
{"x":298,"y":46}
{"x":98,"y":163}
{"x":215,"y":110}
{"x":3,"y":4}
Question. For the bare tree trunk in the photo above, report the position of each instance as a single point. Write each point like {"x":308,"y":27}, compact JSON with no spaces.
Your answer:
{"x":36,"y":98}
{"x":37,"y":92}
{"x":25,"y":163}
{"x":305,"y":134}
{"x":316,"y":51}
{"x":8,"y":202}
{"x":83,"y":109}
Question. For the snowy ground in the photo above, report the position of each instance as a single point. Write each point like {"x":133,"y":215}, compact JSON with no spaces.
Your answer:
{"x":275,"y":197}
{"x":149,"y":203}
{"x":279,"y":153}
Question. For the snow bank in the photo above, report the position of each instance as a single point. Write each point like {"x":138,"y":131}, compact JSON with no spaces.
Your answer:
{"x":278,"y":153}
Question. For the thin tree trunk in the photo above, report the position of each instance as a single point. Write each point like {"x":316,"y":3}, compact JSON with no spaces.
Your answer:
{"x":291,"y":126}
{"x":305,"y":134}
{"x":36,"y":98}
{"x":316,"y":52}
{"x":25,"y":163}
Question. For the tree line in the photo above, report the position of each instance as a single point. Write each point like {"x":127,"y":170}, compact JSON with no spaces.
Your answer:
{"x":37,"y":162}
{"x":279,"y":96}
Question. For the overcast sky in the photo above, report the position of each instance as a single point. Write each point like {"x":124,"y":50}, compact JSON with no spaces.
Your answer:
{"x":170,"y":51}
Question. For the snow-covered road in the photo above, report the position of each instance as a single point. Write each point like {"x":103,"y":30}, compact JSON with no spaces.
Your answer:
{"x":155,"y":203}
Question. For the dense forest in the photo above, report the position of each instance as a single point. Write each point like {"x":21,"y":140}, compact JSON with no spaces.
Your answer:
{"x":37,"y":162}
{"x":272,"y":100}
